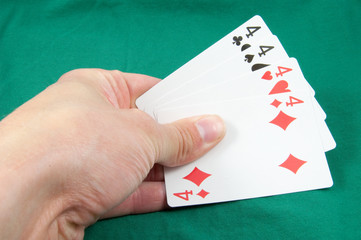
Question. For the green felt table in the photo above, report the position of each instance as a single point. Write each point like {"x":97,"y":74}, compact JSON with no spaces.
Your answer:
{"x":39,"y":41}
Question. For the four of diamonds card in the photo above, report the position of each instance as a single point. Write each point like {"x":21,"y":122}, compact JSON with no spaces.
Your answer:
{"x":276,"y":132}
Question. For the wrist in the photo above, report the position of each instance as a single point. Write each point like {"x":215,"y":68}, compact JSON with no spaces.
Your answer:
{"x":31,"y":198}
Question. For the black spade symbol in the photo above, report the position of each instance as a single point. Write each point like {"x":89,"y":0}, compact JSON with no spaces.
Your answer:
{"x":248,"y":58}
{"x":245,"y":46}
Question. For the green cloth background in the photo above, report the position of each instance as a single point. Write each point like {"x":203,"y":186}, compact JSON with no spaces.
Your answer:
{"x":42,"y":40}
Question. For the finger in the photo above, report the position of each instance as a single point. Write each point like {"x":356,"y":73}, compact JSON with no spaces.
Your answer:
{"x":155,"y":174}
{"x":149,"y":197}
{"x":121,"y":89}
{"x":138,"y":84}
{"x":186,"y":140}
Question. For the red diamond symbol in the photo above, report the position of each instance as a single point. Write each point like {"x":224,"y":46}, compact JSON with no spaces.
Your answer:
{"x":282,"y":120}
{"x":203,"y":193}
{"x":292,"y":163}
{"x":276,"y":103}
{"x":197,"y":176}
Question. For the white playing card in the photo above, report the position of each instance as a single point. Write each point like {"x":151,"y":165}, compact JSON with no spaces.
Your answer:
{"x":283,"y":76}
{"x":267,"y":150}
{"x":230,"y":69}
{"x":251,"y":31}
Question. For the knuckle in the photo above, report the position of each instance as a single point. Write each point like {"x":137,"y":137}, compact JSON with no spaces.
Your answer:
{"x":187,"y":143}
{"x":117,"y":73}
{"x":71,"y":74}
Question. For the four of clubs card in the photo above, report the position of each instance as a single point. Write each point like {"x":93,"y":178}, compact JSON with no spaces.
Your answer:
{"x":276,"y":131}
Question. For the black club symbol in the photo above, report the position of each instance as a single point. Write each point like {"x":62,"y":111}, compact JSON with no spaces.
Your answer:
{"x":237,"y":40}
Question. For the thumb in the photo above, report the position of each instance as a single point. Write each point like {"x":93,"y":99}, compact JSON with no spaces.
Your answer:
{"x":188,"y":139}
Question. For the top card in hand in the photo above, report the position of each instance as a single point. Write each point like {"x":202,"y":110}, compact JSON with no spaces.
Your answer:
{"x":267,"y":150}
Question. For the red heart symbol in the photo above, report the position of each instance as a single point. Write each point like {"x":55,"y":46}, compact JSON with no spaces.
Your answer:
{"x":280,"y":87}
{"x":267,"y":76}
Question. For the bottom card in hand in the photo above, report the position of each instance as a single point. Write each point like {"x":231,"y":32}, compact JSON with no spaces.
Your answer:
{"x":269,"y":149}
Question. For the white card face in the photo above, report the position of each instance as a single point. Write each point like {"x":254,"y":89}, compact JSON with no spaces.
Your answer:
{"x":251,"y":31}
{"x":262,"y":53}
{"x":268,"y":150}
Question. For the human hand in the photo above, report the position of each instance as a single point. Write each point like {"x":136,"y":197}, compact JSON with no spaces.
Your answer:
{"x":85,"y":152}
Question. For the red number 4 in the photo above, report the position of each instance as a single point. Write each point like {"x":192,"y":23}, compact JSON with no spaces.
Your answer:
{"x":293,"y":101}
{"x":282,"y":70}
{"x":184,"y":195}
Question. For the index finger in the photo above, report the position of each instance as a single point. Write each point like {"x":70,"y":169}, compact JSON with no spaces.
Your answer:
{"x":138,"y":84}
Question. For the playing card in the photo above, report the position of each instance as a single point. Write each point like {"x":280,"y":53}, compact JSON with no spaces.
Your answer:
{"x":270,"y":148}
{"x":263,"y":53}
{"x":234,"y":43}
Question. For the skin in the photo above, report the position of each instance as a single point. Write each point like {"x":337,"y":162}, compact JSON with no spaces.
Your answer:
{"x":81,"y":151}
